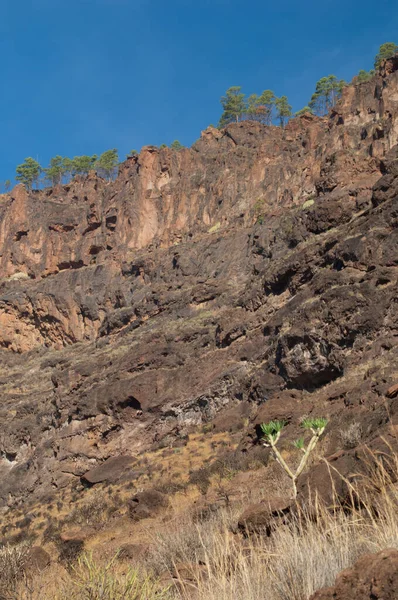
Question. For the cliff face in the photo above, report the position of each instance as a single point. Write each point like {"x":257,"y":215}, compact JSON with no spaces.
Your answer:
{"x":258,"y":261}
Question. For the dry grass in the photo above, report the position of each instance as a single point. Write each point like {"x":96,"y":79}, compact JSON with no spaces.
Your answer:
{"x":307,"y":554}
{"x":298,"y":559}
{"x":90,"y":580}
{"x":351,"y":436}
{"x":12,"y":564}
{"x":187,"y":541}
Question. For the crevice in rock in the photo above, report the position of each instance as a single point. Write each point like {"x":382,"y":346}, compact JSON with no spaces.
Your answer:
{"x":92,"y":227}
{"x":20,"y":234}
{"x":72,"y":264}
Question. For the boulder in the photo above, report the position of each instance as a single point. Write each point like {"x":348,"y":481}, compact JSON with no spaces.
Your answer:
{"x":37,"y":559}
{"x":147,"y":504}
{"x":133,"y":552}
{"x":109,"y":471}
{"x":70,"y":550}
{"x":334,"y":480}
{"x":329,"y":481}
{"x":77,"y":533}
{"x":392,"y":391}
{"x":373,"y":577}
{"x":265,"y":516}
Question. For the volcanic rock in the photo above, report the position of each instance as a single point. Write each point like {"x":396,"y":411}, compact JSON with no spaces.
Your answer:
{"x":260,"y":262}
{"x":373,"y":577}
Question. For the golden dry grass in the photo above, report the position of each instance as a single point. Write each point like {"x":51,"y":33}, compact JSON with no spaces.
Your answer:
{"x":205,"y":560}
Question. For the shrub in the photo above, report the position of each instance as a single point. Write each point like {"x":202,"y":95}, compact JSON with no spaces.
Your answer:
{"x":12,"y":565}
{"x":69,"y":551}
{"x":94,"y":511}
{"x":200,"y":478}
{"x":93,"y":581}
{"x":352,"y":435}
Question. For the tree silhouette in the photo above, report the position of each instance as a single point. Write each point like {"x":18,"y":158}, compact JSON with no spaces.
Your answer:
{"x":82,"y":165}
{"x":327,"y":92}
{"x":283,"y":110}
{"x":386,"y":50}
{"x":56,"y":170}
{"x":234,"y":106}
{"x":107,"y":163}
{"x":176,"y":145}
{"x":259,"y":108}
{"x":28,"y":172}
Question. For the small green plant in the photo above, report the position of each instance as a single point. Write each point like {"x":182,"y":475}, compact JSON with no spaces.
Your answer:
{"x":308,"y":203}
{"x":272,"y":432}
{"x":92,"y":580}
{"x":207,"y":427}
{"x":215,"y":227}
{"x":176,"y":145}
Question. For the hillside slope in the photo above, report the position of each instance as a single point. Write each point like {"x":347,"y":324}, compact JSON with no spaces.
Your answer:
{"x":253,"y":274}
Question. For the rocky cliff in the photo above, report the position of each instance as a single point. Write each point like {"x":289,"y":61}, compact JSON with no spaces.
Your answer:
{"x":255,"y":272}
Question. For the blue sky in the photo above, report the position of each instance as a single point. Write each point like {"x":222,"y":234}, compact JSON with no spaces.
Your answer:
{"x":82,"y":76}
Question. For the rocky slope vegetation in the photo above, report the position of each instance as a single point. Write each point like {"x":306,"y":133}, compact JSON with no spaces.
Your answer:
{"x":251,"y":276}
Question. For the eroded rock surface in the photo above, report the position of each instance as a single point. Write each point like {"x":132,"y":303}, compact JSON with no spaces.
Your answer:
{"x":373,"y":577}
{"x":259,"y":266}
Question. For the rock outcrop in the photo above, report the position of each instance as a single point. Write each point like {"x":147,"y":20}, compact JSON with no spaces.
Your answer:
{"x":261,"y":262}
{"x":373,"y":577}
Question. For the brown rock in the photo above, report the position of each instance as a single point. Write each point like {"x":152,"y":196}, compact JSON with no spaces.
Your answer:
{"x":70,"y":550}
{"x":77,"y":533}
{"x":110,"y":471}
{"x":147,"y":504}
{"x":373,"y":577}
{"x":37,"y":559}
{"x":184,"y":576}
{"x":329,"y":481}
{"x":258,"y":261}
{"x":334,"y":481}
{"x":265,"y":516}
{"x":392,"y":391}
{"x":133,"y":552}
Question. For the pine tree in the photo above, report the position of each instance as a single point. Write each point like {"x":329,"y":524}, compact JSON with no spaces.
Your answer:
{"x":82,"y":165}
{"x":364,"y":76}
{"x":107,"y":163}
{"x":252,"y":106}
{"x":28,"y":172}
{"x":176,"y":145}
{"x":327,"y":92}
{"x":234,"y":106}
{"x":283,"y":110}
{"x":131,"y":153}
{"x":68,"y":168}
{"x":267,"y":99}
{"x":259,"y":108}
{"x":386,"y":50}
{"x":7,"y":185}
{"x":56,"y":170}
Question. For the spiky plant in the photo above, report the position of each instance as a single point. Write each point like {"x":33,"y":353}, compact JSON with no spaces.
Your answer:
{"x":299,"y":444}
{"x":272,"y":432}
{"x":315,"y":425}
